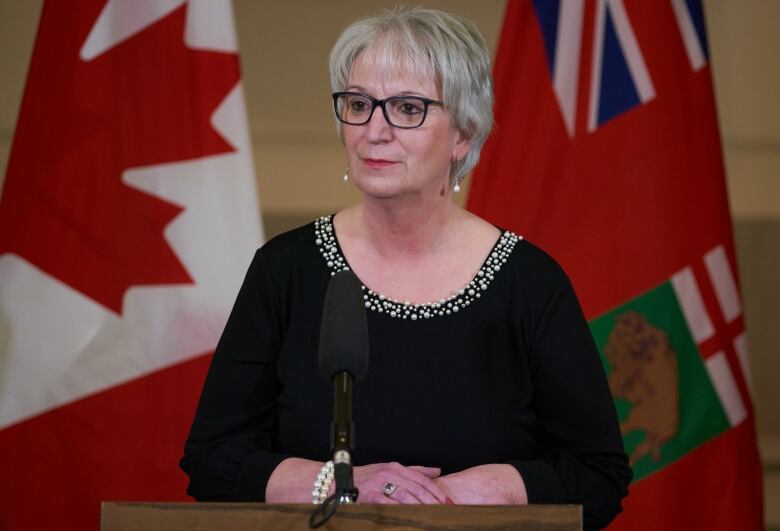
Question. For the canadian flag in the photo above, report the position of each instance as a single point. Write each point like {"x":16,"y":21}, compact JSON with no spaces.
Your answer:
{"x":127,"y":218}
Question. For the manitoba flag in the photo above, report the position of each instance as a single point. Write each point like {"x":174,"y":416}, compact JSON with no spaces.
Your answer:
{"x":127,"y":218}
{"x":606,"y":153}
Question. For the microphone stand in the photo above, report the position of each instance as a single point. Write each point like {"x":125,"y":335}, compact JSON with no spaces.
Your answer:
{"x":342,"y":443}
{"x":343,"y":438}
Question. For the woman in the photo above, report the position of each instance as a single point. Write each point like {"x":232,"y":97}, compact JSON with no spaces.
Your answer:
{"x":484,"y":385}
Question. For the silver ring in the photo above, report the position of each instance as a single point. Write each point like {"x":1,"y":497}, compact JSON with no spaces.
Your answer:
{"x":388,"y":489}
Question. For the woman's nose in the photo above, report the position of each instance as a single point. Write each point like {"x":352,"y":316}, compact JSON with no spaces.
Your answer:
{"x":378,"y":129}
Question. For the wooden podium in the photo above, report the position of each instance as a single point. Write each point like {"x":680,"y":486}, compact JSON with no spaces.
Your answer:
{"x":136,"y":516}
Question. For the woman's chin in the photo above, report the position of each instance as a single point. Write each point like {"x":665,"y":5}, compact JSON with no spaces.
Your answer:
{"x":380,"y":188}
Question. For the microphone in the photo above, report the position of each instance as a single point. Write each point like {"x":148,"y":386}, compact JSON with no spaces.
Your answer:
{"x":343,"y":360}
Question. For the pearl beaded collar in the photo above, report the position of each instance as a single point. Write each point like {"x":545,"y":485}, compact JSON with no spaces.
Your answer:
{"x":325,"y":239}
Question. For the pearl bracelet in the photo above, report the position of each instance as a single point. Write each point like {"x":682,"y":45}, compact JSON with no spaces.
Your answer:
{"x":319,"y":491}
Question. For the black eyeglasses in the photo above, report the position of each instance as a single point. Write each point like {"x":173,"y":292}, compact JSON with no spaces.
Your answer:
{"x":404,"y":112}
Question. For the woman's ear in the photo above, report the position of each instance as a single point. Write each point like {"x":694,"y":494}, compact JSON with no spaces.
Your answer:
{"x":461,"y":147}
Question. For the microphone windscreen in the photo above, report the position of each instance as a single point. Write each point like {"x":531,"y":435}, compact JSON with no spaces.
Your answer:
{"x":344,"y":329}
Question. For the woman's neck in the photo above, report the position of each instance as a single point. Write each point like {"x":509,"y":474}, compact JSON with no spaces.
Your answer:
{"x":404,"y":227}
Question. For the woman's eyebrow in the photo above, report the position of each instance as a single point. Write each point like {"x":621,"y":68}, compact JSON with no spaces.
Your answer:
{"x":401,"y":93}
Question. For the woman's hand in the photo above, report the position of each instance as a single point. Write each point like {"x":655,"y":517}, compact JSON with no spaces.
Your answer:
{"x":413,"y":484}
{"x":485,"y":485}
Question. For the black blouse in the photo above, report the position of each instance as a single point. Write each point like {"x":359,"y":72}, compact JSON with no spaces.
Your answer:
{"x":505,"y":371}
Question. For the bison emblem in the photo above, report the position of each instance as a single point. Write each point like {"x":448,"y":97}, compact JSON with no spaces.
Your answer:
{"x":644,"y":373}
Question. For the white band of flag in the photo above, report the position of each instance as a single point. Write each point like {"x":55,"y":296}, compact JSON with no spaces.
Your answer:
{"x":723,"y":281}
{"x":726,"y":387}
{"x":567,"y":59}
{"x":636,"y":63}
{"x":633,"y":56}
{"x":684,"y":284}
{"x":688,"y":33}
{"x":595,"y":64}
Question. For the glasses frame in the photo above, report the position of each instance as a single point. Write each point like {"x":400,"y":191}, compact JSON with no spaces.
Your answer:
{"x":381,"y":103}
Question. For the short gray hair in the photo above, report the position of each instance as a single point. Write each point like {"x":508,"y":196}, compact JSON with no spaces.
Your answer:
{"x":421,"y":41}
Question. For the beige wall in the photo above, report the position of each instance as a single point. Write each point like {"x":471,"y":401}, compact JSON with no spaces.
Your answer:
{"x":744,"y":43}
{"x":284,"y":47}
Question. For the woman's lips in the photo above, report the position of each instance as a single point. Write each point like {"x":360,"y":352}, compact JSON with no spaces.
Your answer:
{"x":378,"y":163}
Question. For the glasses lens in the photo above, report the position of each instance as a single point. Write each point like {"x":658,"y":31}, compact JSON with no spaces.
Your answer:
{"x":405,"y":111}
{"x":353,"y":108}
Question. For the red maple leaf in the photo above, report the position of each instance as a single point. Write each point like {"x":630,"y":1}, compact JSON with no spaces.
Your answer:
{"x":146,"y":101}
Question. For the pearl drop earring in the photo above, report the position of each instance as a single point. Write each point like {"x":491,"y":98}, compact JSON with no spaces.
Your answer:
{"x":456,"y":181}
{"x":346,"y":175}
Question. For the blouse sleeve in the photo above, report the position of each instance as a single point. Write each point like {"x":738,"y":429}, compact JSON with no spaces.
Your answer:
{"x":229,"y":454}
{"x":580,"y":457}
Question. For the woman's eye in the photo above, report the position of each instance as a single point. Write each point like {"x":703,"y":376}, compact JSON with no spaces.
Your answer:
{"x":358,"y":105}
{"x":410,"y":108}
